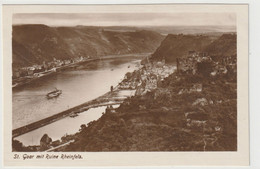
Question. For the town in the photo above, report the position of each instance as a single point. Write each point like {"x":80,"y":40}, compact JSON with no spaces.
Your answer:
{"x":25,"y":75}
{"x":148,"y":77}
{"x":151,"y":77}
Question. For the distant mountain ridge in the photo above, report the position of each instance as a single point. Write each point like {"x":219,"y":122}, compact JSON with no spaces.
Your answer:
{"x":216,"y":29}
{"x":33,"y":44}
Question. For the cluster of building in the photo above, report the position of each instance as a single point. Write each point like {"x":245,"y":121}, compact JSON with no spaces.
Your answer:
{"x":130,"y":81}
{"x":39,"y":69}
{"x":147,"y":78}
{"x":152,"y":74}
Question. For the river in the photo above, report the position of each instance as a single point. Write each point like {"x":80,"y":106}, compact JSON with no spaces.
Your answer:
{"x":86,"y":82}
{"x":61,"y":127}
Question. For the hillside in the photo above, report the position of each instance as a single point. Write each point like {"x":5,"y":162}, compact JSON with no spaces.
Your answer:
{"x":186,"y":112}
{"x":174,"y":46}
{"x":33,"y":44}
{"x":226,"y":45}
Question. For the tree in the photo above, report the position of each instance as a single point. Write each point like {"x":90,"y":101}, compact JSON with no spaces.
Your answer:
{"x":205,"y":68}
{"x":82,"y":127}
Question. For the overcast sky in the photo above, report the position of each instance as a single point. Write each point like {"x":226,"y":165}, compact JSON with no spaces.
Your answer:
{"x":127,"y":19}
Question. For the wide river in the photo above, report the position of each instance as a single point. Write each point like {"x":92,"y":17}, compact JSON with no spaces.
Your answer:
{"x":79,"y":85}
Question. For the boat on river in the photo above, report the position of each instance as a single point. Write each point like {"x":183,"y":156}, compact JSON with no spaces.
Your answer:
{"x":54,"y":94}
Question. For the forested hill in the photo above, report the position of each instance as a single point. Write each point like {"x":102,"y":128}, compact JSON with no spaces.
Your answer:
{"x":33,"y":44}
{"x":226,"y":45}
{"x":174,"y":46}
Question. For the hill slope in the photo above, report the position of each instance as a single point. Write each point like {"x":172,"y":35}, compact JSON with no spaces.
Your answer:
{"x":33,"y":44}
{"x":174,"y":46}
{"x":226,"y":45}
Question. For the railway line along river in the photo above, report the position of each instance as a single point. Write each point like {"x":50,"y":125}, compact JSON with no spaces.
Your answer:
{"x":81,"y":84}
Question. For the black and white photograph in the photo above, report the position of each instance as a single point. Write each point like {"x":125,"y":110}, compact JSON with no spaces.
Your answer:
{"x":124,"y":81}
{"x":116,"y":82}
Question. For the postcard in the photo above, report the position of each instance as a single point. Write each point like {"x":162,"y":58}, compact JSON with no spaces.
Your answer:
{"x":125,"y":85}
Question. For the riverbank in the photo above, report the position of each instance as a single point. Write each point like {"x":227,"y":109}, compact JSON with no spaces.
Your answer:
{"x":19,"y":82}
{"x":83,"y":83}
{"x":127,"y":87}
{"x":180,"y":111}
{"x":187,"y":111}
{"x":109,"y":98}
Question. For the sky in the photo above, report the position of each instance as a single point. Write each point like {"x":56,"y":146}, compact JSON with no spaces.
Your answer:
{"x":126,"y":19}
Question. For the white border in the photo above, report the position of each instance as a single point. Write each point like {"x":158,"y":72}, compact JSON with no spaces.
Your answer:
{"x":254,"y":59}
